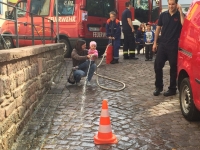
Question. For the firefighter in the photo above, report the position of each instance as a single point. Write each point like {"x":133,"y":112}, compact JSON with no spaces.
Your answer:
{"x":170,"y":24}
{"x":128,"y":30}
{"x":113,"y":32}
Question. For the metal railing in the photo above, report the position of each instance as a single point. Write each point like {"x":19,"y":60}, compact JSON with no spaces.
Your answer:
{"x":33,"y":26}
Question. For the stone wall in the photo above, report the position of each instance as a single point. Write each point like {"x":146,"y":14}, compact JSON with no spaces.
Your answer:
{"x":25,"y":76}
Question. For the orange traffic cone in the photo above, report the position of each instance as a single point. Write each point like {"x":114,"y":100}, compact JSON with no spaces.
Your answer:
{"x":105,"y":135}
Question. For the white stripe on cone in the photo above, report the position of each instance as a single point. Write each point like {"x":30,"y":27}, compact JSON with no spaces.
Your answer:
{"x":104,"y":113}
{"x":105,"y":128}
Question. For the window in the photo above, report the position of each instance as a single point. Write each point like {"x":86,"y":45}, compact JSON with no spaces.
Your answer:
{"x":141,"y":4}
{"x":155,"y":11}
{"x":40,"y":7}
{"x":65,"y":7}
{"x":21,"y":12}
{"x":1,"y":8}
{"x":100,"y":8}
{"x":141,"y":10}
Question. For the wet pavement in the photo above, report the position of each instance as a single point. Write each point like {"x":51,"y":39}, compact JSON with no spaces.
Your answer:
{"x":68,"y":117}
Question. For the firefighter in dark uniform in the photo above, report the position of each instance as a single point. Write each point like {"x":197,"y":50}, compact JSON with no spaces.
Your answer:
{"x":128,"y":30}
{"x":170,"y":24}
{"x":113,"y":32}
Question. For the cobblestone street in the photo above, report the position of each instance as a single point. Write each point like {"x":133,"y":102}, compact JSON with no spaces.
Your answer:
{"x":141,"y":121}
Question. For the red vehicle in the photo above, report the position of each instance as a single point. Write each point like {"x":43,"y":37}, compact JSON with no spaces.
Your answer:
{"x":189,"y":64}
{"x":78,"y":19}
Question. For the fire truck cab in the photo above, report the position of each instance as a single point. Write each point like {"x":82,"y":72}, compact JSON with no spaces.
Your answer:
{"x":189,"y":64}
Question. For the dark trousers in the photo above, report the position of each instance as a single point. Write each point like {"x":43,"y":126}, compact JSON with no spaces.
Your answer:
{"x":164,"y":53}
{"x":148,"y":51}
{"x":139,"y":46}
{"x":116,"y":46}
{"x":129,"y":43}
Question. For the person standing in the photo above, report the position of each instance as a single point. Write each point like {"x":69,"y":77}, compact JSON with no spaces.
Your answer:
{"x":140,"y":38}
{"x":113,"y":32}
{"x":170,"y":24}
{"x":128,"y":31}
{"x":148,"y":39}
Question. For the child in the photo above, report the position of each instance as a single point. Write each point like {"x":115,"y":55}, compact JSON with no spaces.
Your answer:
{"x":93,"y":56}
{"x":148,"y":39}
{"x":139,"y":38}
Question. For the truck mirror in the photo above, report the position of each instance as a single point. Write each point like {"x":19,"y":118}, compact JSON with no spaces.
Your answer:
{"x":82,"y":7}
{"x":7,"y":14}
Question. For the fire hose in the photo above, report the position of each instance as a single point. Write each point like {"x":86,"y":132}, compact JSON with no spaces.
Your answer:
{"x":105,"y":77}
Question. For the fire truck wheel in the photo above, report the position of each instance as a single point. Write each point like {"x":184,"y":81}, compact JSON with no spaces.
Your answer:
{"x":8,"y":42}
{"x":188,"y":108}
{"x":67,"y":50}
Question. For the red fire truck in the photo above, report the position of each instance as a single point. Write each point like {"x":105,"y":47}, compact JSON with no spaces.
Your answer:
{"x":78,"y":19}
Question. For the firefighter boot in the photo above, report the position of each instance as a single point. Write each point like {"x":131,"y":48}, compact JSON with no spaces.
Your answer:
{"x":114,"y":61}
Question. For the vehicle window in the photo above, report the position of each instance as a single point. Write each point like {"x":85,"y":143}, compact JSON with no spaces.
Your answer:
{"x":155,"y":11}
{"x":22,"y":6}
{"x":40,"y":7}
{"x":65,"y":7}
{"x":141,"y":10}
{"x":141,"y":4}
{"x":100,"y":8}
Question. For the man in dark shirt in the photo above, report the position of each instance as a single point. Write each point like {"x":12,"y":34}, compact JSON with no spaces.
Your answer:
{"x":128,"y":30}
{"x":170,"y":24}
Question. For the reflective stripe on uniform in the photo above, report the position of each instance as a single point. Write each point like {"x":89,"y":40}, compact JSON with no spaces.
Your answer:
{"x":131,"y":52}
{"x":125,"y":52}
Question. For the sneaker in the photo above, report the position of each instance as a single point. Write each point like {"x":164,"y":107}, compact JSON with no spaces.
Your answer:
{"x":169,"y":93}
{"x":89,"y":83}
{"x":78,"y":84}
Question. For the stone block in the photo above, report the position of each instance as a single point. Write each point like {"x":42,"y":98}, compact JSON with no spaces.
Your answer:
{"x":8,"y":122}
{"x":20,"y":77}
{"x":26,"y":74}
{"x":10,"y":108}
{"x":21,"y":111}
{"x":1,"y":88}
{"x":17,"y":92}
{"x":6,"y":85}
{"x":2,"y":99}
{"x":33,"y":98}
{"x":2,"y":114}
{"x":12,"y":67}
{"x":5,"y":102}
{"x":9,"y":137}
{"x":33,"y":60}
{"x":28,"y":103}
{"x":13,"y":83}
{"x":19,"y":102}
{"x":3,"y":70}
{"x":40,"y":65}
